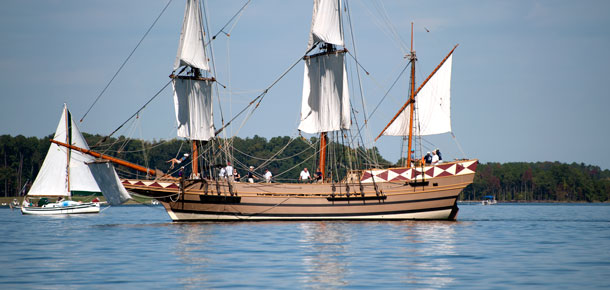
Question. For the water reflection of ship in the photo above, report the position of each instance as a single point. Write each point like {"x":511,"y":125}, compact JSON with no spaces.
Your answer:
{"x":193,"y":244}
{"x":327,"y":246}
{"x":428,"y":249}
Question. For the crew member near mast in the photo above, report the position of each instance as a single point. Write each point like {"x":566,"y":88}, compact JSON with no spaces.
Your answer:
{"x":229,"y":171}
{"x":434,"y":157}
{"x":268,"y":176}
{"x":251,"y":175}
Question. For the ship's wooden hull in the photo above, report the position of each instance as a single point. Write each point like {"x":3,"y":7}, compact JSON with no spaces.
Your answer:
{"x":380,"y":195}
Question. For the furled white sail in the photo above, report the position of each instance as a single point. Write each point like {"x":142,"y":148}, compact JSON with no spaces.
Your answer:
{"x":52,"y":178}
{"x":191,"y":49}
{"x":193,"y":105}
{"x":326,"y":23}
{"x":112,"y":188}
{"x":433,"y":104}
{"x":325,"y":105}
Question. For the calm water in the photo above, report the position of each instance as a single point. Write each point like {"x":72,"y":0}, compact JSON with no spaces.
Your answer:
{"x":518,"y":246}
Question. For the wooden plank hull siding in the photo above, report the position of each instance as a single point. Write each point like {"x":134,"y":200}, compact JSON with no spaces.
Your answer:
{"x":402,"y":199}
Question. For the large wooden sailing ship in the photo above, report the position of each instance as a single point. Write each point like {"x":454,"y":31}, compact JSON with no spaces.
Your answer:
{"x":409,"y":192}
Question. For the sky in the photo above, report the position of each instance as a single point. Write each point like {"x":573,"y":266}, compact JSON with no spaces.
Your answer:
{"x":529,"y":80}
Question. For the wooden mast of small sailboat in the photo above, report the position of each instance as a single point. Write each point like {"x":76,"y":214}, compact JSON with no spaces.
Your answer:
{"x":69,"y":141}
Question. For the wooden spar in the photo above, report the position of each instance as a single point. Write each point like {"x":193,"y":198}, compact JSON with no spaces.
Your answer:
{"x":323,"y":139}
{"x":195,"y":159}
{"x":109,"y":158}
{"x":416,"y":92}
{"x":411,"y":99}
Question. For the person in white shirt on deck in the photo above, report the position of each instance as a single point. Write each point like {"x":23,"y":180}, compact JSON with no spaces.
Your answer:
{"x":304,"y":177}
{"x":268,"y":176}
{"x":434,"y":157}
{"x":222,"y":173}
{"x":229,"y":171}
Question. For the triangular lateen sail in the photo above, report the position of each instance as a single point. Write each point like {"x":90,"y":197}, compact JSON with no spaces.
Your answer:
{"x":191,"y":49}
{"x":433,"y":105}
{"x":52,"y":177}
{"x":326,"y":23}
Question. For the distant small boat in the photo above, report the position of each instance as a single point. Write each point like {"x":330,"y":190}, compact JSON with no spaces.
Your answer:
{"x":489,"y":200}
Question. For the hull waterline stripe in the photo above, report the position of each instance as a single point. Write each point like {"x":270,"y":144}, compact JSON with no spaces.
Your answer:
{"x":317,"y":216}
{"x":329,"y":204}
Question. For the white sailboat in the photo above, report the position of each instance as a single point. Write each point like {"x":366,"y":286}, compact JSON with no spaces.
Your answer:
{"x":63,"y":171}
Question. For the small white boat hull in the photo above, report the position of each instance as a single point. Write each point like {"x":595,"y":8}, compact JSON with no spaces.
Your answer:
{"x":54,"y":209}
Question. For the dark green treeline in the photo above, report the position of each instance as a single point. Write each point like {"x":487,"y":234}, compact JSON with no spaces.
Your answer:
{"x":21,"y":158}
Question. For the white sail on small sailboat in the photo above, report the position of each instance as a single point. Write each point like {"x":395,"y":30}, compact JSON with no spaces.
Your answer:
{"x":63,"y":172}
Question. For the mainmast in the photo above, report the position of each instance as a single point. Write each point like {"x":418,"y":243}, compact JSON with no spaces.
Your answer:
{"x":325,"y":106}
{"x":330,"y":48}
{"x":193,"y":91}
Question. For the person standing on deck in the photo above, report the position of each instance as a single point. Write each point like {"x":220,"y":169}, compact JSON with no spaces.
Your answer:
{"x":222,"y":173}
{"x":434,"y":157}
{"x":229,"y":171}
{"x":251,"y":175}
{"x":236,"y":175}
{"x":428,"y":158}
{"x":440,"y":157}
{"x":318,"y":175}
{"x":304,"y":177}
{"x":268,"y":176}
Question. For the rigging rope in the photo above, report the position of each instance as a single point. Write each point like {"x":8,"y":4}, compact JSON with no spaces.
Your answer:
{"x":135,"y":114}
{"x":262,"y":95}
{"x":125,"y":61}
